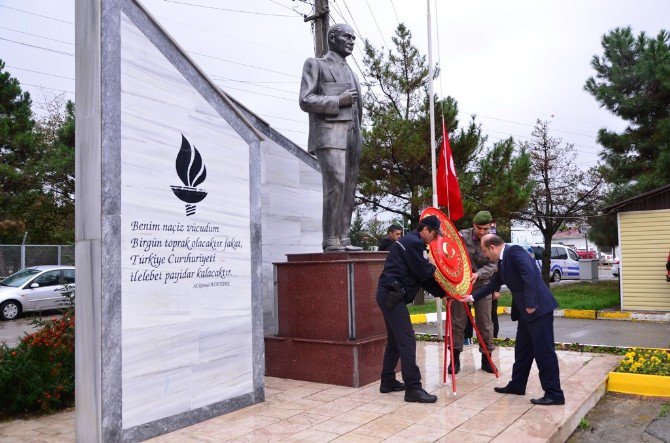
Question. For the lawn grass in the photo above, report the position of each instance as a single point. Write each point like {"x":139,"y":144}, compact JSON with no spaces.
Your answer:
{"x":601,"y":295}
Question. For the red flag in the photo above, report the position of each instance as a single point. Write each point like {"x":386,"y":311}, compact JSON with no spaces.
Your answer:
{"x":448,"y":191}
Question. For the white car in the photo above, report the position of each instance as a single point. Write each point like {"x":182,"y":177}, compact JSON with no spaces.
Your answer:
{"x":38,"y":288}
{"x":564,"y":262}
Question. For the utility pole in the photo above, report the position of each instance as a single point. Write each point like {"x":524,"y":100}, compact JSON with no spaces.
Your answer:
{"x":321,"y":19}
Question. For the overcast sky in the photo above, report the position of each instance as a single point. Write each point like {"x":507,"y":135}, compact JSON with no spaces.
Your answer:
{"x":509,"y":63}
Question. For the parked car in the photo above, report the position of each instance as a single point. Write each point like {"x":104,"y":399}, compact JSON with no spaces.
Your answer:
{"x":38,"y":288}
{"x":615,"y":267}
{"x":564,"y":262}
{"x":606,"y":259}
{"x":586,"y":254}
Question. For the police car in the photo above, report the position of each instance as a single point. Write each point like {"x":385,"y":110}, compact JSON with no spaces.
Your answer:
{"x":564,"y":262}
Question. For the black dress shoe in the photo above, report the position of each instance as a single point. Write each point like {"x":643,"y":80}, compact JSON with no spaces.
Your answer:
{"x":419,"y":396}
{"x":508,"y":390}
{"x":546,"y":401}
{"x":391,"y":386}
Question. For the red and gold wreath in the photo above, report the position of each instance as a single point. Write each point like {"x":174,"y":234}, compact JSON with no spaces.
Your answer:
{"x":451,"y":258}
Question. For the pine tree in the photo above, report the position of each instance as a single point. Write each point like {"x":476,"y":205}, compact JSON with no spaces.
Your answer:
{"x":396,"y":160}
{"x":17,"y":146}
{"x":632,"y":81}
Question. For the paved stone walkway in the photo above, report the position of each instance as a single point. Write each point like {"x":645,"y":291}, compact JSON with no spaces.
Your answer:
{"x":304,"y":411}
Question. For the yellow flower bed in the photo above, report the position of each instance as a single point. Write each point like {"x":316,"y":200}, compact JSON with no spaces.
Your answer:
{"x":645,"y":361}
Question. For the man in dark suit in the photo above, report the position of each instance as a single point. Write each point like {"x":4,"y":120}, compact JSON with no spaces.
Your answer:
{"x":331,"y":94}
{"x":533,"y":306}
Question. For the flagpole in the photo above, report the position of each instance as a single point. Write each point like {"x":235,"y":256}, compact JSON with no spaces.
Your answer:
{"x":447,"y":166}
{"x":438,"y":301}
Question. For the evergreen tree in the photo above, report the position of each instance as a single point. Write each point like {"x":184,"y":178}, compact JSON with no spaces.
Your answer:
{"x":632,"y":81}
{"x":357,"y":233}
{"x":17,"y":146}
{"x":396,"y":159}
{"x":36,"y":167}
{"x":52,"y":209}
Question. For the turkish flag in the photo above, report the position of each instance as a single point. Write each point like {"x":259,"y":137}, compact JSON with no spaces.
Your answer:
{"x":448,"y":191}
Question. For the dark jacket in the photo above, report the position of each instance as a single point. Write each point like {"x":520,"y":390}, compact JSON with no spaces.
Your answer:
{"x":407,"y":265}
{"x":518,"y":271}
{"x":332,"y":68}
{"x":385,"y":244}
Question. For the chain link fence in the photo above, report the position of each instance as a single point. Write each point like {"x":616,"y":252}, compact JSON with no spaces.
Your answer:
{"x":16,"y":257}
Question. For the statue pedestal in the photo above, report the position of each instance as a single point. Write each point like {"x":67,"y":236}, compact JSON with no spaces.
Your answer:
{"x":330,"y":327}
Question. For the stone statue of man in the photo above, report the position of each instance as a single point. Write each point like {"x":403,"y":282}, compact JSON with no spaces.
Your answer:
{"x":331,"y":94}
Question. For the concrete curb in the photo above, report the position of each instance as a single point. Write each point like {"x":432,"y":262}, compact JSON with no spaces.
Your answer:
{"x":639,"y":384}
{"x":567,"y":313}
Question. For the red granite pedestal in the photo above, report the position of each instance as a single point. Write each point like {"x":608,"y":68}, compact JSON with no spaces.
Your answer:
{"x":330,"y":327}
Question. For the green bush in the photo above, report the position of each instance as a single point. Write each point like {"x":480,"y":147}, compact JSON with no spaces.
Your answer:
{"x":38,"y":375}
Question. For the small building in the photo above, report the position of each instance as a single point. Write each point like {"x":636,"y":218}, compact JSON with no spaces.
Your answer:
{"x":644,"y":239}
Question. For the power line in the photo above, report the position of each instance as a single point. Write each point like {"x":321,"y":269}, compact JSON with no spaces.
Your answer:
{"x":38,"y":15}
{"x":44,"y":87}
{"x":39,"y":36}
{"x":227,"y":9}
{"x":38,"y":47}
{"x":230,"y":36}
{"x":255,"y":67}
{"x":259,"y":93}
{"x":395,"y":12}
{"x":373,"y":18}
{"x":251,"y":83}
{"x":243,"y":64}
{"x":352,"y":18}
{"x":39,"y":72}
{"x":290,"y":130}
{"x":524,"y":124}
{"x":190,"y":52}
{"x":529,"y":110}
{"x":526,"y":138}
{"x":290,"y":9}
{"x":284,"y":118}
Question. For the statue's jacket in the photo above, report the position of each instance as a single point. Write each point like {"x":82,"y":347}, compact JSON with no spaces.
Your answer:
{"x":316,"y":73}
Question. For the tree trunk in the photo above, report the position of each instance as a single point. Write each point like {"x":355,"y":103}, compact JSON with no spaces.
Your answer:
{"x":420,"y":298}
{"x":546,"y":260}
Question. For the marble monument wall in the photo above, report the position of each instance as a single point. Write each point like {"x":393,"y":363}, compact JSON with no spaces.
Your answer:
{"x":183,"y":201}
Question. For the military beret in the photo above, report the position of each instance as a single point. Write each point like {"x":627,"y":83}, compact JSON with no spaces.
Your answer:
{"x":482,"y":218}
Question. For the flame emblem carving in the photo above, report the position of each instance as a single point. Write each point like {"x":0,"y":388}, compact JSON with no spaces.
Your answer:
{"x":191,"y":170}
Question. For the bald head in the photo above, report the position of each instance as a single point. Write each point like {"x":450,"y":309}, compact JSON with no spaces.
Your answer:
{"x":491,"y":246}
{"x":338,"y":29}
{"x":341,"y":39}
{"x":491,"y":240}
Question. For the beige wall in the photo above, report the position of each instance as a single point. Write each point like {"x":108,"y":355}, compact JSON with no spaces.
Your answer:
{"x":644,"y":238}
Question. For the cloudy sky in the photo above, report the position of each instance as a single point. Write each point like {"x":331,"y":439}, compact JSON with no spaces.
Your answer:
{"x":508,"y":63}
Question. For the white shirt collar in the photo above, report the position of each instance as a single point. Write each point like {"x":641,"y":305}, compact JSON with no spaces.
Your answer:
{"x":502,"y":251}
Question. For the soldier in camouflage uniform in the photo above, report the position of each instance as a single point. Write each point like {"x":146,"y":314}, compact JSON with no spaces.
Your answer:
{"x":482,"y":271}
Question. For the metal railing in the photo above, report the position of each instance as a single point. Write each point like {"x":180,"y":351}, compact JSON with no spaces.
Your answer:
{"x":13,"y":258}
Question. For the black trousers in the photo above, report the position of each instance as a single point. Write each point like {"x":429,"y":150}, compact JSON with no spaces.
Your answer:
{"x":535,"y":341}
{"x":400,"y":343}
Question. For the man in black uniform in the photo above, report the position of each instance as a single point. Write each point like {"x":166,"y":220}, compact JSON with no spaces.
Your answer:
{"x":394,"y":232}
{"x":408,"y":267}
